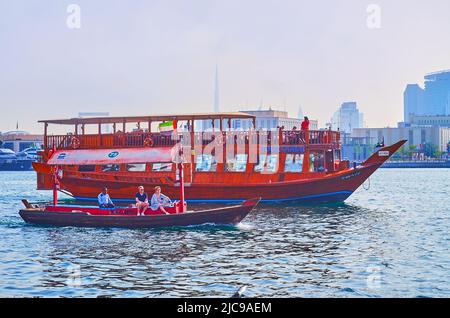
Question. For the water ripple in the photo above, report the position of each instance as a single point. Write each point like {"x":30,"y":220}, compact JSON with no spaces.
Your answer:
{"x":391,"y":241}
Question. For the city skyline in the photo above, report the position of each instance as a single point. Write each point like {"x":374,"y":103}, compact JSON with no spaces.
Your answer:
{"x":161,"y":57}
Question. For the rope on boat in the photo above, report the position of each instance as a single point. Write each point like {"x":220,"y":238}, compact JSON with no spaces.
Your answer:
{"x":66,"y":193}
{"x":368,"y":186}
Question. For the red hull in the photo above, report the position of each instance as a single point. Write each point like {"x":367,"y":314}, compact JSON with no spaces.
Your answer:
{"x":334,"y":187}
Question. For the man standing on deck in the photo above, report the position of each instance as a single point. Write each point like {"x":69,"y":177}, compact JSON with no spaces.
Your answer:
{"x":305,"y":124}
{"x":305,"y":129}
{"x":104,"y":201}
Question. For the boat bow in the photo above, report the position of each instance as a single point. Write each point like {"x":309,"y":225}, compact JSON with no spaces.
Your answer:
{"x":383,"y":154}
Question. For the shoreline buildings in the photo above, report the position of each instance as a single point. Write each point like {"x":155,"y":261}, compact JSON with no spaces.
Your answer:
{"x":19,"y":140}
{"x":272,"y":119}
{"x":418,"y":137}
{"x":426,"y":123}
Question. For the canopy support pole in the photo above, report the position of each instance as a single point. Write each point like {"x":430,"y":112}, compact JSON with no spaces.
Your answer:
{"x":45,"y":135}
{"x":181,"y":177}
{"x":55,"y":185}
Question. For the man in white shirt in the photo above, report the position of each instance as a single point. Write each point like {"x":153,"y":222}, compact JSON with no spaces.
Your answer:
{"x":104,"y":201}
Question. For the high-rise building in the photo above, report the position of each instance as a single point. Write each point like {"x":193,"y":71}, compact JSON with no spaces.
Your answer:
{"x":347,"y":118}
{"x":433,"y":100}
{"x":437,"y":93}
{"x":412,"y":101}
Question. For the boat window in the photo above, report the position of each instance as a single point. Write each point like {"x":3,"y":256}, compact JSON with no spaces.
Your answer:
{"x":86,"y":168}
{"x":206,"y":163}
{"x":293,"y":163}
{"x":163,"y":166}
{"x":238,"y":164}
{"x":136,"y":167}
{"x":8,"y":145}
{"x":316,"y":161}
{"x":110,"y":168}
{"x":271,"y":163}
{"x":337,"y":154}
{"x":267,"y":164}
{"x":261,"y":162}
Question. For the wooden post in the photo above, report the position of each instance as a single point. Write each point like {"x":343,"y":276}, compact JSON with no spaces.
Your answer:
{"x":192,"y":153}
{"x":181,"y":177}
{"x":55,"y":181}
{"x":99,"y":134}
{"x":45,"y":135}
{"x":306,"y":154}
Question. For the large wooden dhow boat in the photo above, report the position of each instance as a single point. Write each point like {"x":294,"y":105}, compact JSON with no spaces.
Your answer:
{"x":299,"y":166}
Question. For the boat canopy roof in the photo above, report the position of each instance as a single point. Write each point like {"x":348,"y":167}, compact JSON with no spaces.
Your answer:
{"x":154,"y":118}
{"x":111,"y":156}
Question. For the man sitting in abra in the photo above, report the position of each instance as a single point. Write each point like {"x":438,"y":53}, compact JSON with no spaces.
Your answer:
{"x":104,"y":201}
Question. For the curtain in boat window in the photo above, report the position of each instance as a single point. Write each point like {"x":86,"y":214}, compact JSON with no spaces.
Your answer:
{"x":238,"y":164}
{"x":205,"y":163}
{"x":293,"y":163}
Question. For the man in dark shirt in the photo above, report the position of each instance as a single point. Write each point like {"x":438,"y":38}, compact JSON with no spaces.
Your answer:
{"x":141,"y":201}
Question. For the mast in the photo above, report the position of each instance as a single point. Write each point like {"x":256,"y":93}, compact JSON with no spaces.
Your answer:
{"x":181,"y":178}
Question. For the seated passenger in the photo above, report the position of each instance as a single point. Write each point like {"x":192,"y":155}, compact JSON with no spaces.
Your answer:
{"x":141,"y":201}
{"x":159,"y":201}
{"x":104,"y":201}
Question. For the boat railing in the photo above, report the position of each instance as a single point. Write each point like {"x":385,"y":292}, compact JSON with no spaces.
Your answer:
{"x":313,"y":137}
{"x":140,"y":139}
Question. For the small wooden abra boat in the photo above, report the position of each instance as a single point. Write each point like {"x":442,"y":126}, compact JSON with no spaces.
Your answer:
{"x":85,"y":216}
{"x":82,"y":216}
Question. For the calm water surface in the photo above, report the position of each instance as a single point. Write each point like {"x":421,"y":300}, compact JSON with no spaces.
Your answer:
{"x":390,"y":241}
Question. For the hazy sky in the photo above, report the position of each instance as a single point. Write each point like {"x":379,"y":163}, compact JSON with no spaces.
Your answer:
{"x":145,"y":57}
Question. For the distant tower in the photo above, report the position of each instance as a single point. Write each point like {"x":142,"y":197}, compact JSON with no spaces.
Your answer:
{"x":216,"y":92}
{"x":300,"y":112}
